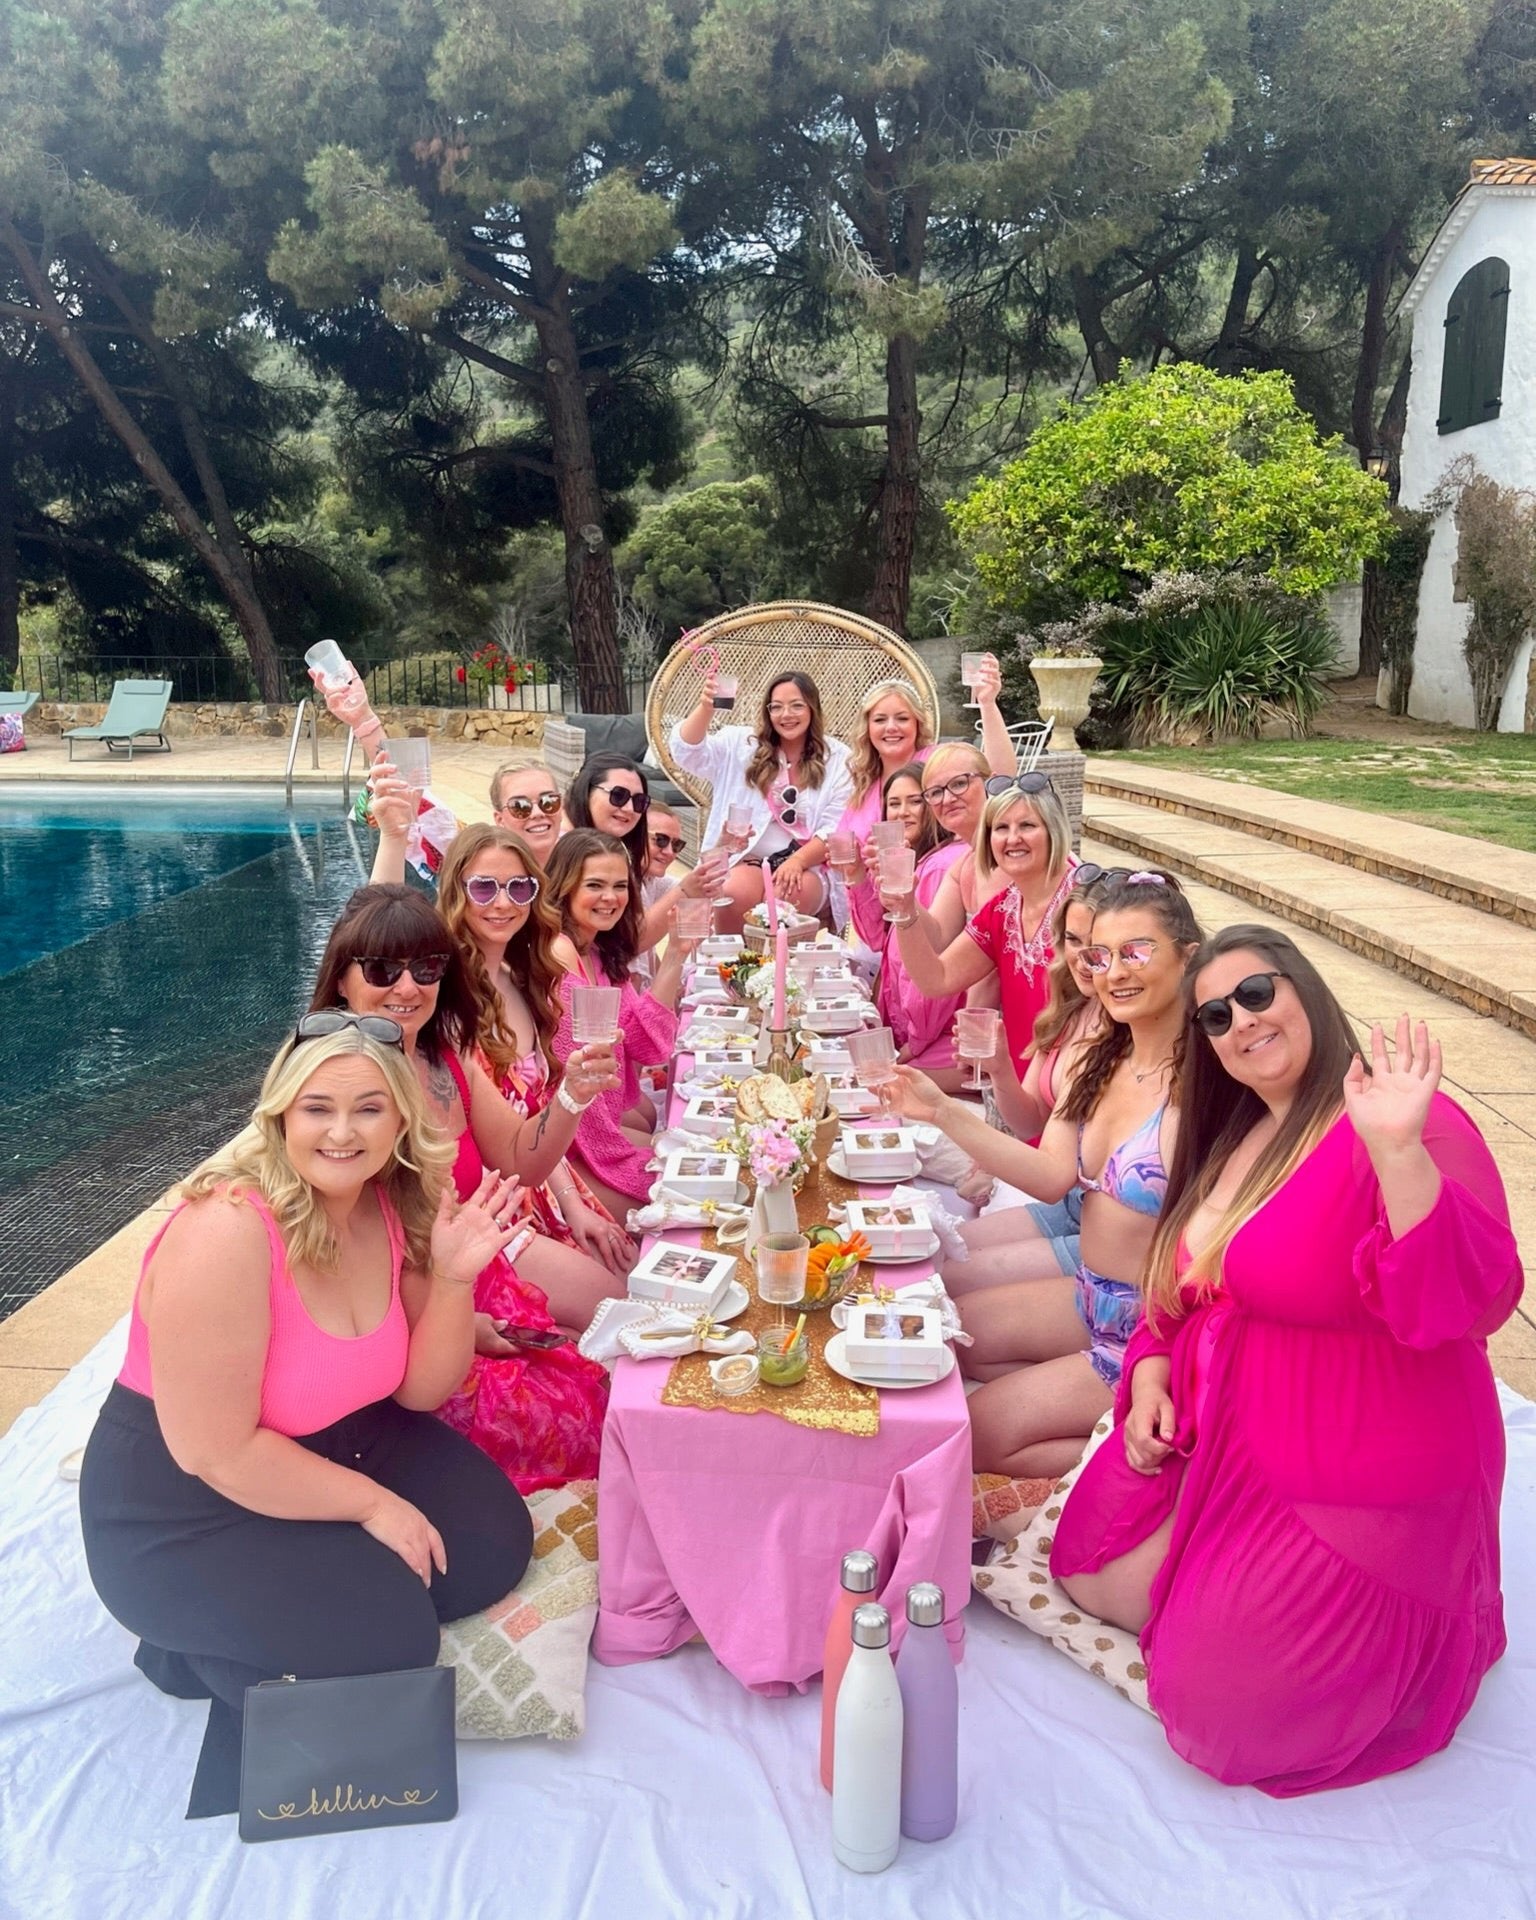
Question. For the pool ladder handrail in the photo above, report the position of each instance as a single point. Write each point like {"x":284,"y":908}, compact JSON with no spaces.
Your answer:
{"x":305,"y":711}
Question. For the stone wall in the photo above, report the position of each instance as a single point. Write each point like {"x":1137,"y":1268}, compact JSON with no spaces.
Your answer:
{"x":253,"y":719}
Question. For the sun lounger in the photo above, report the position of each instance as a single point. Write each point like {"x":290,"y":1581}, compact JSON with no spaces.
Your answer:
{"x":21,"y":703}
{"x":135,"y":712}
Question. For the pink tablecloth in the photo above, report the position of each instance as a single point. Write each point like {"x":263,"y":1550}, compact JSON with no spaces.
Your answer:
{"x":733,"y":1525}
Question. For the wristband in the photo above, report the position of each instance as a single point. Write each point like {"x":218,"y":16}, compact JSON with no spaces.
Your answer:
{"x":565,"y":1098}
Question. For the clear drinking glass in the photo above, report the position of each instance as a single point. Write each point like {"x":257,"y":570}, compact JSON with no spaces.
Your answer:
{"x":695,"y":918}
{"x":329,"y":662}
{"x":727,"y":686}
{"x":413,"y":760}
{"x":843,"y":853}
{"x":898,"y":873}
{"x":782,"y":1259}
{"x":887,"y":833}
{"x":971,"y":668}
{"x":735,"y":838}
{"x":595,"y":1015}
{"x":873,"y":1054}
{"x":976,"y":1039}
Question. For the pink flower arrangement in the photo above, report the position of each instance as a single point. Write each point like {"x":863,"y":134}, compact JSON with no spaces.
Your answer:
{"x":773,"y":1150}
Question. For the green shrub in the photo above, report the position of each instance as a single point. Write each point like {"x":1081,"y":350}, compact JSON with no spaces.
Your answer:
{"x":1182,"y":469}
{"x":1194,"y":660}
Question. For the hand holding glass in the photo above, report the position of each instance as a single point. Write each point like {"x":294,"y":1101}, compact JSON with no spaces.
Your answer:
{"x":595,"y":1015}
{"x":727,"y":686}
{"x":972,"y":667}
{"x":976,"y":1033}
{"x":413,"y":761}
{"x":843,"y":852}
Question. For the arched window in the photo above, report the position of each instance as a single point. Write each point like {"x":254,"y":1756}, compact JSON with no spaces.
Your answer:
{"x":1472,"y":375}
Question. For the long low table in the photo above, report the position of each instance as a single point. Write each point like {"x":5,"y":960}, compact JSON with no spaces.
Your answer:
{"x":733,"y":1525}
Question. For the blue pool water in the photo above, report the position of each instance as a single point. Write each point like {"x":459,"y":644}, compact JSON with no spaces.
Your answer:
{"x":154,"y":948}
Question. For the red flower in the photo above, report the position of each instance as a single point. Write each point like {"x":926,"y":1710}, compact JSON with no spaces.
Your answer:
{"x":458,"y":674}
{"x":511,"y":683}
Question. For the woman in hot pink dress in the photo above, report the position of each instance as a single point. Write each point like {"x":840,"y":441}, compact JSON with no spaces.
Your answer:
{"x":1299,"y":1512}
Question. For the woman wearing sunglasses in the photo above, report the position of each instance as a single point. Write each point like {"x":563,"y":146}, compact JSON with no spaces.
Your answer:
{"x":1050,"y":1349}
{"x":538,"y":1413}
{"x":491,"y":893}
{"x":1025,"y":839}
{"x":527,"y":801}
{"x":264,"y":1491}
{"x":1299,"y":1511}
{"x":593,"y":891}
{"x":610,"y":795}
{"x":793,"y":782}
{"x":920,"y":1024}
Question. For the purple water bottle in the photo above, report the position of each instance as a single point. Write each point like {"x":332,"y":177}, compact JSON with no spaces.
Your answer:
{"x":930,"y":1698}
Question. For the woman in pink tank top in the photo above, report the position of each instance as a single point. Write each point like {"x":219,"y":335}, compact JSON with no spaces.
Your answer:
{"x":265,"y":1491}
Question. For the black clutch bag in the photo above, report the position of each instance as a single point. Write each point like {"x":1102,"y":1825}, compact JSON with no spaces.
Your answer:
{"x":327,"y":1756}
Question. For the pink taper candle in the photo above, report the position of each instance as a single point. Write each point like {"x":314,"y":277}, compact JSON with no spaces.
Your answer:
{"x":770,"y":900}
{"x":780,"y":974}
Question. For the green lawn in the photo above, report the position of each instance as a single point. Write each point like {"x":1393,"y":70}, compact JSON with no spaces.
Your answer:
{"x":1486,"y":788}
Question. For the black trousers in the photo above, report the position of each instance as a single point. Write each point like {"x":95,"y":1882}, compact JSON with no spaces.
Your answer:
{"x":223,"y":1598}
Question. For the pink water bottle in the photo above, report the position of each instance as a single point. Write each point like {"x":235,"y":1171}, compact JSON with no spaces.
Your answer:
{"x":859,"y":1573}
{"x":930,"y":1698}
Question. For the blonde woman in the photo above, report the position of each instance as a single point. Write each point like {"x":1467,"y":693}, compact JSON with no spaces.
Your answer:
{"x":893,"y":732}
{"x":1024,"y":838}
{"x":266,"y":1490}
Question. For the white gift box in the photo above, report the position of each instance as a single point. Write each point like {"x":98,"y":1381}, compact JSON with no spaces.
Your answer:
{"x":846,"y":1097}
{"x":892,"y":1228}
{"x":711,"y":1114}
{"x":721,"y":946}
{"x":719,"y":1026}
{"x":743,"y":1019}
{"x":828,"y":1056}
{"x":702,"y":1175}
{"x":683,"y":1276}
{"x":718,"y":1063}
{"x":705,"y":992}
{"x":879,"y":1153}
{"x":895,"y":1342}
{"x":841,"y":1012}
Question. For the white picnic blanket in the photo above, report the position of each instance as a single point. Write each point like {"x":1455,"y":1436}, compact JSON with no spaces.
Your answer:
{"x":688,"y":1796}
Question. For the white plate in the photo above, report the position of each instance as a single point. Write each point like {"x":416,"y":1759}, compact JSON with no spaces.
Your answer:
{"x":904,"y":1259}
{"x":736,"y":1300}
{"x":834,"y":1352}
{"x":837,"y":1165}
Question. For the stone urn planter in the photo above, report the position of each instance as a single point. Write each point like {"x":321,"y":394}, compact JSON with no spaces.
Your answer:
{"x":1065,"y":684}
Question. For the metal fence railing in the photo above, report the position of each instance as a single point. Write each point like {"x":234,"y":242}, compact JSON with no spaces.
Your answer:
{"x":429,"y":680}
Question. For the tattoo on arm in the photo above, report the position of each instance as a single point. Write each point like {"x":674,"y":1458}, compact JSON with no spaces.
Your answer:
{"x":440,"y":1086}
{"x":538,"y":1128}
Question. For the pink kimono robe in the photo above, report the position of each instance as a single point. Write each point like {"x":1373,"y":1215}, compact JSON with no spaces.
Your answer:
{"x":1330,"y":1600}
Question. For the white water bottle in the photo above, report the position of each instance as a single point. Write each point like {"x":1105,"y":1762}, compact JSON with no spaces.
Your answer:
{"x":866,"y":1753}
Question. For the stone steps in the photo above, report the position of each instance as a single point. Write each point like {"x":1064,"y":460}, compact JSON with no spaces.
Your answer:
{"x":1496,"y":880}
{"x":1469,"y":934}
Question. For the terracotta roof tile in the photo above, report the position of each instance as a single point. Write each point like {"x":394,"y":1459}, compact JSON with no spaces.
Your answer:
{"x":1503,"y":173}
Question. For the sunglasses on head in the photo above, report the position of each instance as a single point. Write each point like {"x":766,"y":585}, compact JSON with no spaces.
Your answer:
{"x":1030,"y":783}
{"x":521,"y":890}
{"x":376,"y":1026}
{"x":620,"y":798}
{"x":1135,"y":953}
{"x":521,"y":806}
{"x":1087,"y":873}
{"x":427,"y":969}
{"x":668,"y":843}
{"x":1254,"y":994}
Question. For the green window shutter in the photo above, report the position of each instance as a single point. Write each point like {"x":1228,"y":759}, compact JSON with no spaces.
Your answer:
{"x":1472,"y":373}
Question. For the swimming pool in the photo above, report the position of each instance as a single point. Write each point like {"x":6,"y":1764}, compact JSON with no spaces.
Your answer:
{"x":154,"y":947}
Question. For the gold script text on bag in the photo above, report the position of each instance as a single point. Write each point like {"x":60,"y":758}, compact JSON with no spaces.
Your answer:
{"x":346,"y":1799}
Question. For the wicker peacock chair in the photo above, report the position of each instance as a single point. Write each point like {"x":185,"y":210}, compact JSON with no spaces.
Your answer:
{"x":844,"y":653}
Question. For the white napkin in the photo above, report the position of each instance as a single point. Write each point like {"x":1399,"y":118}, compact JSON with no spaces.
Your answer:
{"x":648,"y":1330}
{"x":669,"y":1209}
{"x":921,"y":1293}
{"x":712,"y":1080}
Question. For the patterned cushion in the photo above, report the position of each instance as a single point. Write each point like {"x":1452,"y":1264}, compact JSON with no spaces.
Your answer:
{"x":522,"y":1664}
{"x":1002,"y":1508}
{"x":1018,"y":1580}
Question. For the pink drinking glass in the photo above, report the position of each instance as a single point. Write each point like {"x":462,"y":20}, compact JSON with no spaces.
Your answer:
{"x":873,"y":1054}
{"x":976,"y":1039}
{"x":595,"y":1015}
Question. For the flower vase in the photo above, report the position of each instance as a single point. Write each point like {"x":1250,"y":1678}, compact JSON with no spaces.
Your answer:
{"x":1065,"y":687}
{"x":773,"y":1211}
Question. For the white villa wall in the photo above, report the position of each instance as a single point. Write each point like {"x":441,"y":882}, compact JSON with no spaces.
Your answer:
{"x":1503,"y":224}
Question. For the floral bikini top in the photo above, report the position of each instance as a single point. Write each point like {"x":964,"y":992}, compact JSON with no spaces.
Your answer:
{"x":1134,"y":1173}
